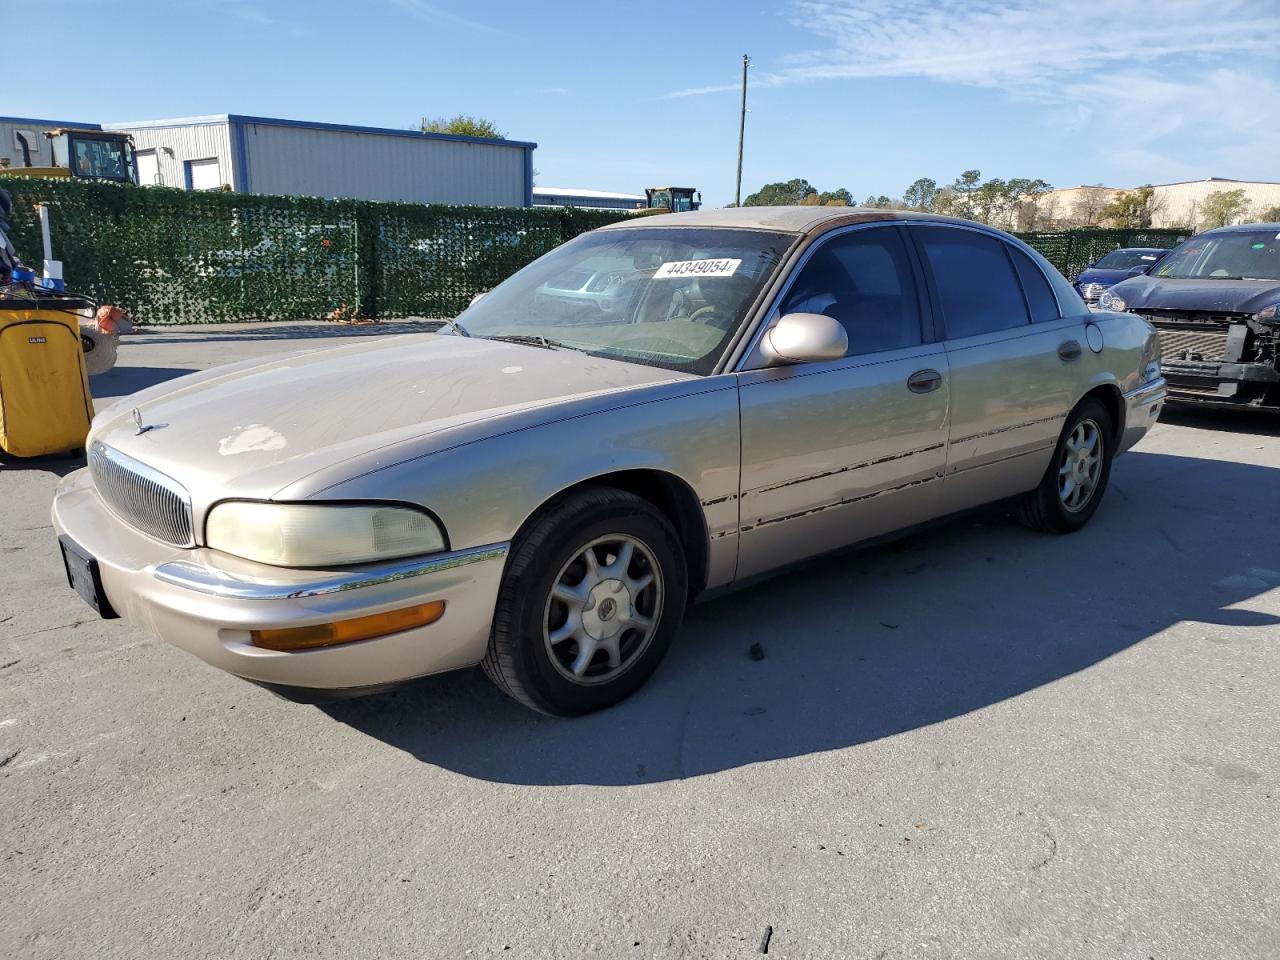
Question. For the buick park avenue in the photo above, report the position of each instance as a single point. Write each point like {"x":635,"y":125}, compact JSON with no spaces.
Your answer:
{"x":656,"y":409}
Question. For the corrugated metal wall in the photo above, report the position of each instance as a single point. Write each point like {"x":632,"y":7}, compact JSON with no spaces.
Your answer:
{"x":177,"y":144}
{"x":369,"y":166}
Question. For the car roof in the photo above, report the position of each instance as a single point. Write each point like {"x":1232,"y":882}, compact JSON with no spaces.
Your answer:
{"x":784,"y":219}
{"x":1246,"y":228}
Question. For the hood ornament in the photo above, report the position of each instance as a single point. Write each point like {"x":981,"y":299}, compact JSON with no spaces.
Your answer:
{"x":143,"y":428}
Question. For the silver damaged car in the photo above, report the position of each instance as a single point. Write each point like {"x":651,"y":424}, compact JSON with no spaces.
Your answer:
{"x":656,"y":409}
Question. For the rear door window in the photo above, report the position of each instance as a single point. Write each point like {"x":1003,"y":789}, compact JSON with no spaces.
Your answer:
{"x":978,"y":290}
{"x":1040,"y":298}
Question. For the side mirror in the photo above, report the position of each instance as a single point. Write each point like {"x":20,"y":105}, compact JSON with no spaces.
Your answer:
{"x":1139,"y":271}
{"x":804,"y":338}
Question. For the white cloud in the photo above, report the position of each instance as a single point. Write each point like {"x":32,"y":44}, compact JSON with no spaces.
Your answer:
{"x":1147,"y":77}
{"x":435,"y":14}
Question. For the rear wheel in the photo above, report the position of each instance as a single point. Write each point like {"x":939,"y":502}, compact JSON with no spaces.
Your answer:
{"x":1073,"y":485}
{"x":590,"y":601}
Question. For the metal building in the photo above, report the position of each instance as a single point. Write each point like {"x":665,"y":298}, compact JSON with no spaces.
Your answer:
{"x":271,"y":156}
{"x":587,"y":199}
{"x":23,"y":138}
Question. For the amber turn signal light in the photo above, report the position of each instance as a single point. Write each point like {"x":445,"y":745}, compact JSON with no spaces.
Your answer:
{"x":348,"y":631}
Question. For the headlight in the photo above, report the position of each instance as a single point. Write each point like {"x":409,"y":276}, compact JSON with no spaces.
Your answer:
{"x":1269,"y":314}
{"x":320,"y":535}
{"x":1109,"y":301}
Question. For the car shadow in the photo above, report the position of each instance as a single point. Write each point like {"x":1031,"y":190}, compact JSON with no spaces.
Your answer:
{"x":944,"y":622}
{"x":1261,"y":423}
{"x":121,"y":381}
{"x":58,"y":464}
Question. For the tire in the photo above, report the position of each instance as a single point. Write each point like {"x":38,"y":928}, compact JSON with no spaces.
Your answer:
{"x":1060,"y":503}
{"x":568,"y":646}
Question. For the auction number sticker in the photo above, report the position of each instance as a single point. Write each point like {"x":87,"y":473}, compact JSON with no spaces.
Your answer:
{"x":697,"y":268}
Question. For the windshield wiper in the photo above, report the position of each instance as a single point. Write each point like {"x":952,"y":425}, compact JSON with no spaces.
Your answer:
{"x":455,"y":325}
{"x":532,"y":340}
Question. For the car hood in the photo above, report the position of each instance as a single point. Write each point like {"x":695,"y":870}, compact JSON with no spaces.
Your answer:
{"x":250,"y":429}
{"x":1219,"y":296}
{"x":1097,"y":275}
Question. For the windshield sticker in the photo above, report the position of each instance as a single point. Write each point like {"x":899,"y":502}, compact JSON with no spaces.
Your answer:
{"x":697,"y":268}
{"x":1259,"y":246}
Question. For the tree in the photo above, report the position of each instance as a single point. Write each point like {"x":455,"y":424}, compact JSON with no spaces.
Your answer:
{"x":1223,"y":207}
{"x":1130,"y":209}
{"x":840,"y":197}
{"x":921,"y":195}
{"x":462,"y":126}
{"x":962,"y":202}
{"x":878,"y":203}
{"x":1088,"y":206}
{"x":782,"y":194}
{"x":1269,"y":215}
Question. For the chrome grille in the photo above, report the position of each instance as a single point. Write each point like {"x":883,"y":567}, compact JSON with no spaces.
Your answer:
{"x":1092,"y":291}
{"x":140,"y":496}
{"x":1192,"y":345}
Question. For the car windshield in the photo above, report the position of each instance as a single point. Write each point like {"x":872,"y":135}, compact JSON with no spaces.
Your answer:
{"x":1239,"y":255}
{"x":667,"y":297}
{"x":1127,"y":259}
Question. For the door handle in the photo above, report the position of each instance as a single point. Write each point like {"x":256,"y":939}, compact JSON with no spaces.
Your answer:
{"x":1070,"y":350}
{"x":924,"y":381}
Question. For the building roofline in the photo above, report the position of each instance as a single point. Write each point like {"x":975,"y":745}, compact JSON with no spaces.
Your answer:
{"x":586,"y":193}
{"x":1173,"y":183}
{"x":52,"y":123}
{"x":315,"y":125}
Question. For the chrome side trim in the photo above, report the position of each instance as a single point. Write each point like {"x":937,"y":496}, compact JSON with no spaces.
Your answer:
{"x":228,"y":586}
{"x":1148,"y":393}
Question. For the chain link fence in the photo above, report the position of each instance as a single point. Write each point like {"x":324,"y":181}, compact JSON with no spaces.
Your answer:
{"x":1073,"y":250}
{"x":174,"y":256}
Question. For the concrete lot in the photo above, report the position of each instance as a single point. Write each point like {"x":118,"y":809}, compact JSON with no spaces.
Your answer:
{"x":975,"y":742}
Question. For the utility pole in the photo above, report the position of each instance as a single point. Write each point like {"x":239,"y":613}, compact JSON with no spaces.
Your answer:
{"x":742,"y":129}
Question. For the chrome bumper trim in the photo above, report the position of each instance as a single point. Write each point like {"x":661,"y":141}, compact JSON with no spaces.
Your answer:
{"x":228,"y":586}
{"x":1147,"y":393}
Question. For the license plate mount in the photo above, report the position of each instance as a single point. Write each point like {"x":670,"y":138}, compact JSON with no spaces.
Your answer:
{"x":85,"y":577}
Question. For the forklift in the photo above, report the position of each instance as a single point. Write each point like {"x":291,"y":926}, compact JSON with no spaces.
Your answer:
{"x":673,"y":199}
{"x":82,"y":155}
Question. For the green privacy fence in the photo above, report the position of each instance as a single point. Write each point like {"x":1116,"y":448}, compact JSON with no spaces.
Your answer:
{"x":173,"y":256}
{"x":1073,"y":250}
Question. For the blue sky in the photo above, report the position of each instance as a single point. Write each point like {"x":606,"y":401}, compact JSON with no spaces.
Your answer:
{"x":865,"y":95}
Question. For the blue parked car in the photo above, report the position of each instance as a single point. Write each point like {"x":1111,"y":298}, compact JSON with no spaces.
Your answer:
{"x":1116,"y":266}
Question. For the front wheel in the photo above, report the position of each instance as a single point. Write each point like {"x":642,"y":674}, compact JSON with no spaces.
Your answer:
{"x":590,"y":601}
{"x":1073,"y":485}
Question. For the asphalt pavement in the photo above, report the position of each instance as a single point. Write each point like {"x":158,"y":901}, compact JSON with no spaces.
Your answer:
{"x":973,"y":742}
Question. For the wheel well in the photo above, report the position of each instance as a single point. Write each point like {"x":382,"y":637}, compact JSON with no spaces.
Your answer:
{"x":1110,"y":398}
{"x":675,"y":499}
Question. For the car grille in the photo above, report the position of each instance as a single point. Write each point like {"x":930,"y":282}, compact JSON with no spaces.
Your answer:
{"x":1092,"y":291}
{"x":142,"y":497}
{"x":1192,"y":345}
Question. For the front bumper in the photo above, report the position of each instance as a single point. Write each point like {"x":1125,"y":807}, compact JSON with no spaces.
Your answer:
{"x":207,"y":603}
{"x":1142,"y":409}
{"x":1221,"y":383}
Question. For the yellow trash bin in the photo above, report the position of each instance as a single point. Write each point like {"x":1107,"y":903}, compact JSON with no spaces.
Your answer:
{"x":45,"y":406}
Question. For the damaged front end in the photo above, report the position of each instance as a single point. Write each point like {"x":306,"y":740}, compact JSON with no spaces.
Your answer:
{"x":1222,"y":358}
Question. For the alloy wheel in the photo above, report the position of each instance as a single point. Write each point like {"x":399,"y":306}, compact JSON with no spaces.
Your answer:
{"x":603,"y":609}
{"x":1081,"y":466}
